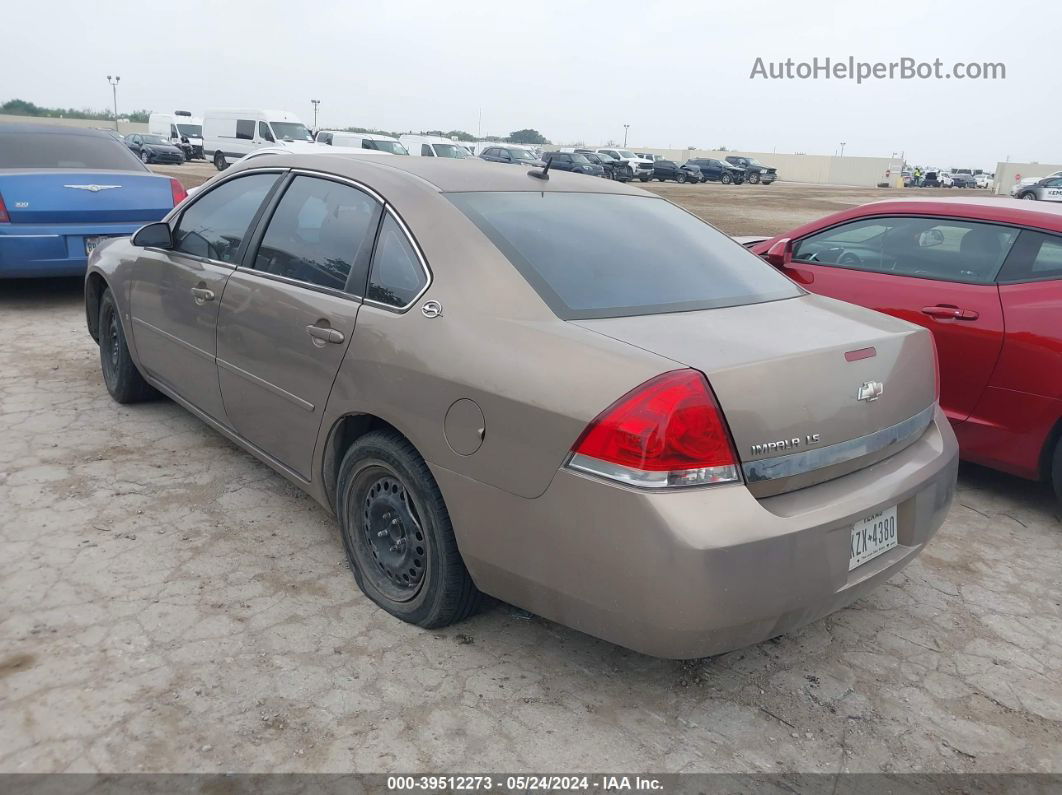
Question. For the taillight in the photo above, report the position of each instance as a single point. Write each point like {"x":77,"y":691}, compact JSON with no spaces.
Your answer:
{"x":4,"y":217}
{"x":667,"y":432}
{"x":178,"y":191}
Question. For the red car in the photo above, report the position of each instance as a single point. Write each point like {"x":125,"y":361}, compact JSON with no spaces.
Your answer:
{"x":985,"y":276}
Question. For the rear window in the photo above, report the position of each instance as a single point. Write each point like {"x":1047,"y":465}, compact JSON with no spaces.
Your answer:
{"x":592,"y":255}
{"x":65,"y":150}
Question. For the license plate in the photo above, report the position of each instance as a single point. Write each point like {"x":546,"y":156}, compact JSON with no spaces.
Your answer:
{"x":92,"y":242}
{"x":872,"y":536}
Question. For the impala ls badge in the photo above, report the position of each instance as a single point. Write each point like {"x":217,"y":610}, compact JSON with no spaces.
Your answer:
{"x":93,"y":188}
{"x":870,"y":391}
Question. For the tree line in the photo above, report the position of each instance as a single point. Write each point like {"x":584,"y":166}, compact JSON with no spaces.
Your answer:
{"x":20,"y":107}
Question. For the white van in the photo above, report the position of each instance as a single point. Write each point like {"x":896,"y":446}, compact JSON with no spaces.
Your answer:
{"x":179,"y":127}
{"x":228,"y":134}
{"x":383,"y":143}
{"x":434,"y":146}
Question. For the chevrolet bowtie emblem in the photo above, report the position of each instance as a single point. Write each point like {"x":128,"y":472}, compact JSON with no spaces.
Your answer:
{"x":870,"y":390}
{"x":93,"y":188}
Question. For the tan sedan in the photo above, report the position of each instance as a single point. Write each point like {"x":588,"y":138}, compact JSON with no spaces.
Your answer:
{"x":558,"y":390}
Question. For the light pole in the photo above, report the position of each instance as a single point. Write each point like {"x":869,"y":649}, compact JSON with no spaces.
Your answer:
{"x":315,"y":102}
{"x":625,"y":128}
{"x":114,"y":90}
{"x":842,"y":148}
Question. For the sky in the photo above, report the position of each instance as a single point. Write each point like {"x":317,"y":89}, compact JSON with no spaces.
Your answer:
{"x":678,"y":73}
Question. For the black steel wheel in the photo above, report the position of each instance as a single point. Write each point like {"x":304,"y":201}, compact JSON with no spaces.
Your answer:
{"x":397,"y":533}
{"x":120,"y":375}
{"x":219,"y":161}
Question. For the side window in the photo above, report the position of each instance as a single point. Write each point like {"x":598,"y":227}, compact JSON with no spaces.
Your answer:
{"x":173,"y":131}
{"x":321,"y":233}
{"x":397,"y":275}
{"x":1035,"y":257}
{"x":264,"y":132}
{"x":426,"y":151}
{"x":215,"y":225}
{"x":926,"y":248}
{"x":245,"y":129}
{"x":324,"y":138}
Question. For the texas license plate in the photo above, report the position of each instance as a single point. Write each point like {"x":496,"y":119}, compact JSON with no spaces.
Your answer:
{"x":92,"y":242}
{"x":871,"y":536}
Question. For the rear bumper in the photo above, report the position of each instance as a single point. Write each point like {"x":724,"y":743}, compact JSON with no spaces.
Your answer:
{"x":702,"y":571}
{"x":39,"y":250}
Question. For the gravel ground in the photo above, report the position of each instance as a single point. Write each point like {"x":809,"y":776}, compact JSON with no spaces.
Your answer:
{"x":170,"y":604}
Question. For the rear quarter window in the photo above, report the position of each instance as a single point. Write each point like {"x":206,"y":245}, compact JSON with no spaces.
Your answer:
{"x":591,"y":255}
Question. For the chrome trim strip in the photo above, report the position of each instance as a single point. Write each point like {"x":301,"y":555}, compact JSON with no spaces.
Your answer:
{"x":5,"y":236}
{"x":317,"y":288}
{"x":785,"y":466}
{"x":305,"y":405}
{"x":428,"y":276}
{"x":177,"y":340}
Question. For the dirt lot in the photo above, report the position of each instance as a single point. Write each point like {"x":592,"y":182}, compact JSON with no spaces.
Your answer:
{"x":170,"y":604}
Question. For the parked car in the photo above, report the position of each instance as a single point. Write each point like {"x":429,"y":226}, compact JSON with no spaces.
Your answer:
{"x":639,"y":167}
{"x":511,"y":155}
{"x":435,"y":146}
{"x":66,"y":190}
{"x":664,"y":170}
{"x":229,"y":134}
{"x":181,"y":129}
{"x":931,"y":180}
{"x":352,"y":140}
{"x":520,"y":393}
{"x":963,"y":180}
{"x":1046,"y":190}
{"x":755,"y":171}
{"x":614,"y":169}
{"x":154,"y":149}
{"x":985,"y":180}
{"x":1024,"y":182}
{"x":946,"y":179}
{"x":715,"y":170}
{"x":574,"y":162}
{"x":985,"y":276}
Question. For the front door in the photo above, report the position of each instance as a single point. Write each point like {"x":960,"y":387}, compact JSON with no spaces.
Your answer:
{"x":176,"y":293}
{"x":288,"y":315}
{"x":937,"y":272}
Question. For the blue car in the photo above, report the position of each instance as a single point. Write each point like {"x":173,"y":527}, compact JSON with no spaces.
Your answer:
{"x":64,"y":190}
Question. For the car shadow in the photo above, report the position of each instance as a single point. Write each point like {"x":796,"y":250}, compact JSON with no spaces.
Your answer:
{"x":21,"y":293}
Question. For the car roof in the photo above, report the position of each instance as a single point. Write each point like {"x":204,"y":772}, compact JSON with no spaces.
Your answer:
{"x":443,"y":174}
{"x":8,"y":127}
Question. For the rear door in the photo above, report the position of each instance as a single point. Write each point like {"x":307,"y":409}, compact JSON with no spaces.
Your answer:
{"x":937,"y":272}
{"x":289,"y":312}
{"x":175,"y":293}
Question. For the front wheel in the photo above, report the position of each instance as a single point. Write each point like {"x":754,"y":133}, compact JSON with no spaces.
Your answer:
{"x":144,"y":156}
{"x":680,"y":178}
{"x":1056,"y":470}
{"x":754,"y":178}
{"x":219,"y":161}
{"x":398,"y":536}
{"x":123,"y":380}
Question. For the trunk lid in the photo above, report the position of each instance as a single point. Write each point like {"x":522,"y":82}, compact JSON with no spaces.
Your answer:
{"x":60,"y":196}
{"x":787,"y":388}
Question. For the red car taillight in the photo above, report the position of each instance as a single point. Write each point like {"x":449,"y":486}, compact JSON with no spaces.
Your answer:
{"x":178,"y":191}
{"x":4,"y":217}
{"x":667,"y":432}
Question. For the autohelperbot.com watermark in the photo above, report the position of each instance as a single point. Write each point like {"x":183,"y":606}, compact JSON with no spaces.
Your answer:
{"x":863,"y":71}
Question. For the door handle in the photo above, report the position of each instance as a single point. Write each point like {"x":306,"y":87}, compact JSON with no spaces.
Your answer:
{"x":325,"y":334}
{"x":951,"y":312}
{"x":202,"y":295}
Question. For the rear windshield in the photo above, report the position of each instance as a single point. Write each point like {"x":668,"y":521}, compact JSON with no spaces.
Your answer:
{"x":592,"y":255}
{"x":65,"y":150}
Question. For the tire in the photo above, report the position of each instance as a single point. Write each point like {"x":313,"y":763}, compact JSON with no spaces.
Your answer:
{"x":1028,"y":196}
{"x":753,"y":178}
{"x":414,"y":570}
{"x":219,"y":160}
{"x":1056,"y":470}
{"x":145,"y":157}
{"x":680,"y":178}
{"x":123,"y":381}
{"x":726,"y":179}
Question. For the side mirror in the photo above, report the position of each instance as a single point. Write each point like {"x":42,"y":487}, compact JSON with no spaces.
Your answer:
{"x":156,"y":235}
{"x":778,"y":253}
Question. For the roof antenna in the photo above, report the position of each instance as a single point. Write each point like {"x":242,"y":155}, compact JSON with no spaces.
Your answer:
{"x":541,"y":173}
